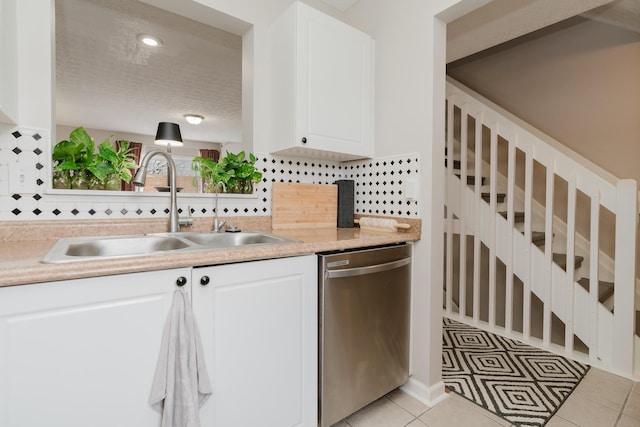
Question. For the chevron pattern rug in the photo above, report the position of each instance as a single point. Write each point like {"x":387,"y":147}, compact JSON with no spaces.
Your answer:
{"x":522,"y":384}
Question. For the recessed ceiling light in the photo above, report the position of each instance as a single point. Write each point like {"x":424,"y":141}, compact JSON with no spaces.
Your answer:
{"x":149,"y":40}
{"x":194,"y":119}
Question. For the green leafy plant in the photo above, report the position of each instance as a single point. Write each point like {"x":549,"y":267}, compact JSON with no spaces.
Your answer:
{"x":235,"y":172}
{"x":73,"y":154}
{"x":85,"y":168}
{"x":213,"y":173}
{"x":244,"y":171}
{"x":117,"y":162}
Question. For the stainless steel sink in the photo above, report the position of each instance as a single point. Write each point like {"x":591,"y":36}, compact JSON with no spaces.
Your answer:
{"x":124,"y":246}
{"x":75,"y":249}
{"x":234,"y":239}
{"x":95,"y":248}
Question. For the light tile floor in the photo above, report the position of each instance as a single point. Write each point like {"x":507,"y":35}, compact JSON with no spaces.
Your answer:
{"x":600,"y":400}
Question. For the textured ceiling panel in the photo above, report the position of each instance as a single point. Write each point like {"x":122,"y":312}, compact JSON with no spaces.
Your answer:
{"x":106,"y":79}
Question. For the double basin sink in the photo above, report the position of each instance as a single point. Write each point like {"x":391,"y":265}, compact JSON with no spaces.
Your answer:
{"x":95,"y":248}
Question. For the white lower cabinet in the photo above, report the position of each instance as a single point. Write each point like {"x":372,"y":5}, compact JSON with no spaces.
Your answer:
{"x":258,"y":322}
{"x":83,"y":352}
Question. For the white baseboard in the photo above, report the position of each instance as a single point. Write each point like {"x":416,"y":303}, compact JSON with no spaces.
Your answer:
{"x":430,"y":396}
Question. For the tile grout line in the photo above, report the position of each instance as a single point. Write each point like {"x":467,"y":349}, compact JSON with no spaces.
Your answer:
{"x":624,"y":404}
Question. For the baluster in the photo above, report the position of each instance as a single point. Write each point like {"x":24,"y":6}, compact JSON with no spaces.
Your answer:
{"x":594,"y":276}
{"x":571,"y":263}
{"x":492,"y":231}
{"x":623,"y":297}
{"x":449,"y":176}
{"x":548,"y":256}
{"x":462,"y":217}
{"x":511,"y":179}
{"x":528,"y":194}
{"x":477,"y":239}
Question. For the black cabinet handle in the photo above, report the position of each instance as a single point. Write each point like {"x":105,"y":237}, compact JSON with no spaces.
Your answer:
{"x":204,"y":280}
{"x":304,"y":139}
{"x":181,"y":281}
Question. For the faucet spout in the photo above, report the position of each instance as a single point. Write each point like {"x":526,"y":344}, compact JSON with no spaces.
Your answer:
{"x":217,"y":224}
{"x":138,"y":181}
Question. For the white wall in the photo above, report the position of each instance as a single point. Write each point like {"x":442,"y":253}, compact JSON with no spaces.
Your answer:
{"x":410,"y":68}
{"x":578,"y":83}
{"x":410,"y":39}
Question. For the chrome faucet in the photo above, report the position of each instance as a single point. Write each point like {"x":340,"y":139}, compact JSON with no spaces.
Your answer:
{"x":217,"y":225}
{"x":138,"y":181}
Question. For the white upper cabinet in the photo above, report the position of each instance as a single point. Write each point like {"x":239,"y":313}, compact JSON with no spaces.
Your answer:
{"x":8,"y":62}
{"x":322,"y":87}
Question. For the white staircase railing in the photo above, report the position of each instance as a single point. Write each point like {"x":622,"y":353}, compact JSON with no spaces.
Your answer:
{"x":528,"y":165}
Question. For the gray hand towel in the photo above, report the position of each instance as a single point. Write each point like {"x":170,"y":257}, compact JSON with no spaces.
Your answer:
{"x":181,"y":383}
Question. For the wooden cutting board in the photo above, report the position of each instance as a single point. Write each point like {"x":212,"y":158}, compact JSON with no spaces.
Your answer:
{"x":295,"y":205}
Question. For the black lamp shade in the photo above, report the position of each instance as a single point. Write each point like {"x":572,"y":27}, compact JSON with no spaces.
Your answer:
{"x":168,"y":134}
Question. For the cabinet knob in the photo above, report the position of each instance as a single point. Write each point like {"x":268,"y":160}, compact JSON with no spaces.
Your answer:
{"x":304,"y":139}
{"x":204,"y":280}
{"x":181,"y":281}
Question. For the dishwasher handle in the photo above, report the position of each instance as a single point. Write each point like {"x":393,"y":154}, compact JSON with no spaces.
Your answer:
{"x":370,"y":269}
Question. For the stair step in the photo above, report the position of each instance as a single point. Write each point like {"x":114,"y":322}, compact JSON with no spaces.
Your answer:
{"x":561,"y":260}
{"x":605,"y":289}
{"x":456,"y":164}
{"x":499,"y":197}
{"x":538,"y":237}
{"x":517,"y":216}
{"x":471,"y":180}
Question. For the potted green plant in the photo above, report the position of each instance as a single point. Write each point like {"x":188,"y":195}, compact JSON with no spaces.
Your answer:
{"x":119,"y":163}
{"x":244,"y":173}
{"x":214,"y":175}
{"x":76,"y":166}
{"x":73,"y":159}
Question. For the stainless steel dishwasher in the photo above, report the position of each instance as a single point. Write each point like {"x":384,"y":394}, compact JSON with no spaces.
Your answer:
{"x":364,"y":305}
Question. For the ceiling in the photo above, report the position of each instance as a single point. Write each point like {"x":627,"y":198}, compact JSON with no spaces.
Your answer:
{"x":503,"y":20}
{"x":342,"y":5}
{"x":106,"y":79}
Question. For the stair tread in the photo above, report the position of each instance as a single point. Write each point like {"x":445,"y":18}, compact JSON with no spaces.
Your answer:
{"x":499,"y":197}
{"x":537,"y":235}
{"x":518,"y":216}
{"x":605,"y":289}
{"x":471,"y":179}
{"x":456,"y":163}
{"x":561,"y":260}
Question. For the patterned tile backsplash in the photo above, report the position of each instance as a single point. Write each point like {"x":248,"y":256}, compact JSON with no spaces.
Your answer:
{"x":380,"y":186}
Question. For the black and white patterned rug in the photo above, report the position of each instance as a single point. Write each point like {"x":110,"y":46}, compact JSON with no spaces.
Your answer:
{"x":522,"y":384}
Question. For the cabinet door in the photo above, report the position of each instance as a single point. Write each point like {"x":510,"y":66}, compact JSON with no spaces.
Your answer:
{"x":83,"y":352}
{"x":8,"y":65}
{"x":335,"y":85}
{"x":258,"y":322}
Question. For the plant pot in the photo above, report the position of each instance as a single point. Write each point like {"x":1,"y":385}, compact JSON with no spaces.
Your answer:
{"x":95,"y":183}
{"x":247,"y":187}
{"x":80,"y":180}
{"x":235,"y":186}
{"x":112,"y":183}
{"x":210,"y":186}
{"x":61,"y":179}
